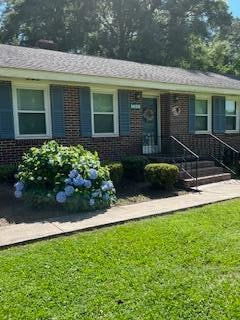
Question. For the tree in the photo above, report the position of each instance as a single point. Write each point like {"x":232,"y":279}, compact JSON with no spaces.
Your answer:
{"x":67,"y":22}
{"x":189,"y":33}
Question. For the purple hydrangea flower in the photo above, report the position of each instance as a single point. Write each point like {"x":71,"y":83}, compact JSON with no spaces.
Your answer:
{"x":106,"y":197}
{"x":19,"y":186}
{"x":73,"y":174}
{"x":92,"y":202}
{"x":93,"y":174}
{"x":96,"y":193}
{"x":68,"y":181}
{"x":104,"y":186}
{"x":78,"y":181}
{"x":107,"y":185}
{"x":110,"y":185}
{"x":69,"y":190}
{"x":18,"y":194}
{"x":87,"y":184}
{"x":61,"y":197}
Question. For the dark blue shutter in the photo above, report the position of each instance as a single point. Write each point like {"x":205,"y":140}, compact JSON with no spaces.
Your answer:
{"x":124,"y":113}
{"x":191,"y":114}
{"x":85,"y":112}
{"x":218,"y":114}
{"x":57,"y":111}
{"x":6,"y":111}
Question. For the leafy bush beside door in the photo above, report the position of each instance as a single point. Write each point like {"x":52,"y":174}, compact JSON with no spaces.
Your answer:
{"x":162,"y":175}
{"x":133,"y":167}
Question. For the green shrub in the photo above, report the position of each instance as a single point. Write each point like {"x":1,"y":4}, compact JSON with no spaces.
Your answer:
{"x":161,"y":175}
{"x":71,"y":176}
{"x":116,"y":172}
{"x":7,"y":172}
{"x":133,"y":167}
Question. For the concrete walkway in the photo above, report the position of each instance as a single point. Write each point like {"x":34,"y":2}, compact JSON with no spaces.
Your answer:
{"x":26,"y":232}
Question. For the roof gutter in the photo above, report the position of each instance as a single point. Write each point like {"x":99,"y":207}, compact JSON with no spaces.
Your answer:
{"x":77,"y":79}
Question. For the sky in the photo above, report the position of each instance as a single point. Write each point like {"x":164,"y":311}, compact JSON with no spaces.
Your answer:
{"x":235,"y":7}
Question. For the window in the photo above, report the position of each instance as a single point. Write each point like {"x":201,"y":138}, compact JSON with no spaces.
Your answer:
{"x":202,"y":116}
{"x":104,"y":114}
{"x":231,"y":115}
{"x":31,"y":112}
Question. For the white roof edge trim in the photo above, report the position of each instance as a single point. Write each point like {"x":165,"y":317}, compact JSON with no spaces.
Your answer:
{"x":91,"y":79}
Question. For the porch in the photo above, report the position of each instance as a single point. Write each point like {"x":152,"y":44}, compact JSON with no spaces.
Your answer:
{"x":202,"y":159}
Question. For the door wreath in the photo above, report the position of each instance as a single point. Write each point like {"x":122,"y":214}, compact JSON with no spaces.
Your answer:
{"x":148,"y":115}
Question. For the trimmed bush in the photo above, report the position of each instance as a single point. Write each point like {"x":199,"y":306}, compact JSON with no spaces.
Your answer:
{"x":133,"y":167}
{"x":7,"y":172}
{"x":70,"y":176}
{"x":161,"y":175}
{"x":116,"y":172}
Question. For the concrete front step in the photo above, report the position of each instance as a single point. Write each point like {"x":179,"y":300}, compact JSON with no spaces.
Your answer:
{"x":201,"y":164}
{"x":202,"y":172}
{"x":188,"y":183}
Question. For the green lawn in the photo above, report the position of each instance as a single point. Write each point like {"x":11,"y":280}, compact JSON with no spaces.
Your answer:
{"x":185,"y":266}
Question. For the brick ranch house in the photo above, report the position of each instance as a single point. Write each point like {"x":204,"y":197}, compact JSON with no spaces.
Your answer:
{"x":117,"y":108}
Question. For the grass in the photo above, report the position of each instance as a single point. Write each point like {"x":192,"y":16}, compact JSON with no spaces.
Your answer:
{"x":185,"y":266}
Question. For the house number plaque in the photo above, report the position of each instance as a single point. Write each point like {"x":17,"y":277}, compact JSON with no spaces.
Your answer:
{"x":135,"y":106}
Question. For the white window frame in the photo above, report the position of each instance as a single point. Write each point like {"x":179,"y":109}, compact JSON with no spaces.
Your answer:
{"x":32,"y":86}
{"x":115,"y":112}
{"x":209,"y":114}
{"x":236,"y":100}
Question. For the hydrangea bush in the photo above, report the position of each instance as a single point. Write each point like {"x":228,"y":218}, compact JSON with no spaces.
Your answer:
{"x":70,"y":176}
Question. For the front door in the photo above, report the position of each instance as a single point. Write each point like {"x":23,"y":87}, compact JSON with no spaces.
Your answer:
{"x":150,"y":126}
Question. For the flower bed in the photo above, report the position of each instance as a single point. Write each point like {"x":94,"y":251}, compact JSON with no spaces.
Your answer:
{"x":70,"y":176}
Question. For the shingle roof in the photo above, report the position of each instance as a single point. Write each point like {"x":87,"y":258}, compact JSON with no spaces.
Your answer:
{"x":55,"y":61}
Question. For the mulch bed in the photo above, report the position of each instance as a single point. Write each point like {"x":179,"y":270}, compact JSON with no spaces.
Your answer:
{"x":13,"y":211}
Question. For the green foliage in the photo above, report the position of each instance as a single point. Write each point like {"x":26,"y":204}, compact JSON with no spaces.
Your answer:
{"x":133,"y":167}
{"x":46,"y":171}
{"x":185,"y":266}
{"x":116,"y":172}
{"x":7,"y":172}
{"x":161,"y":175}
{"x":169,"y":32}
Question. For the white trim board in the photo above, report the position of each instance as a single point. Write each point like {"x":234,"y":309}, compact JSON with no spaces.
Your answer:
{"x":98,"y":80}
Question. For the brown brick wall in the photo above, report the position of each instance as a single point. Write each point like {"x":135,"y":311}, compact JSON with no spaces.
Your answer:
{"x":117,"y":147}
{"x":177,"y":125}
{"x":108,"y":148}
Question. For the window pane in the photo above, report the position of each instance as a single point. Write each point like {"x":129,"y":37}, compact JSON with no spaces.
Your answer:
{"x":230,"y":107}
{"x":30,"y":99}
{"x":103,"y":123}
{"x":201,"y":107}
{"x":201,"y":123}
{"x":102,"y":102}
{"x":32,"y":123}
{"x":230,"y":123}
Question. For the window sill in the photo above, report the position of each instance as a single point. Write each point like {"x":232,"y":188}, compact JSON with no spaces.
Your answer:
{"x":106,"y":135}
{"x":202,"y":132}
{"x":231,"y":131}
{"x":42,"y":137}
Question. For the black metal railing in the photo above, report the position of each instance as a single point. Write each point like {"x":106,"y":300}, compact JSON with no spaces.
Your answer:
{"x":209,"y":146}
{"x":205,"y":146}
{"x":224,"y":154}
{"x":188,"y":160}
{"x":171,"y":149}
